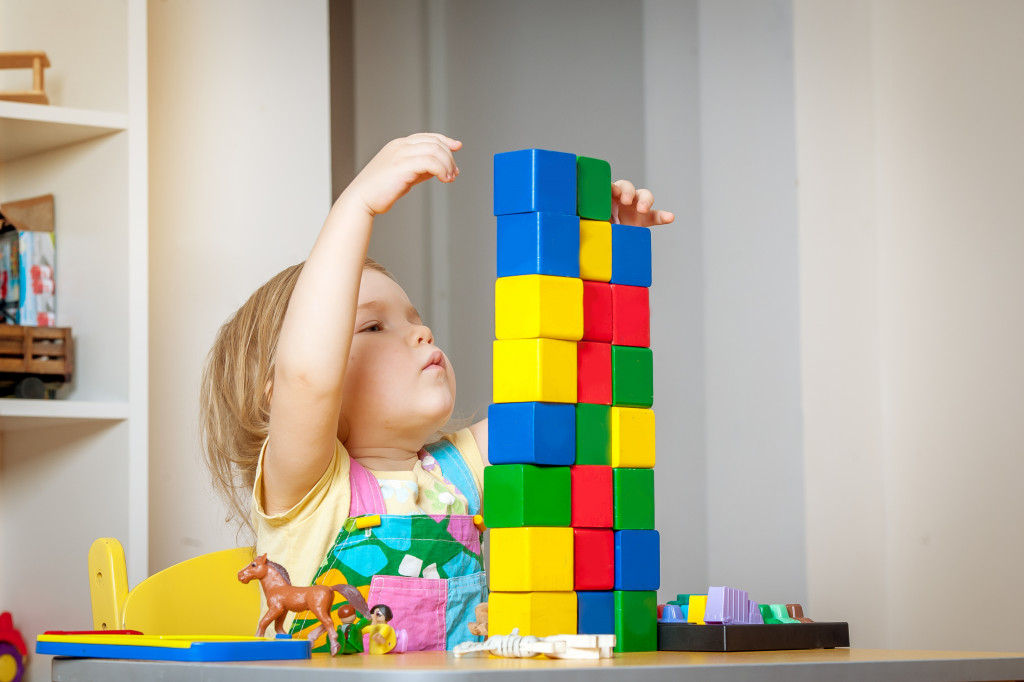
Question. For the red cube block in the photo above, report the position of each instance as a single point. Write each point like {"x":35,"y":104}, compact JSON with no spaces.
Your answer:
{"x":594,"y":372}
{"x":593,"y":558}
{"x":631,"y":316}
{"x":597,"y":311}
{"x":592,"y":496}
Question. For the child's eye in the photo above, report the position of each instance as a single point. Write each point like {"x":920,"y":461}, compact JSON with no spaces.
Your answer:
{"x":375,"y":327}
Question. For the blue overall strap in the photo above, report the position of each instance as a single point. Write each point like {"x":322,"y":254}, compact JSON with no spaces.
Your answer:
{"x":455,"y":469}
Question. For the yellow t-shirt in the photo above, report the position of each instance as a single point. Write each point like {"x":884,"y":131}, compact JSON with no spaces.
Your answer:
{"x":299,"y":538}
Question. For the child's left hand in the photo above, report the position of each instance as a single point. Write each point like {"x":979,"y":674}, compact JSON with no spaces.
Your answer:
{"x":632,"y":206}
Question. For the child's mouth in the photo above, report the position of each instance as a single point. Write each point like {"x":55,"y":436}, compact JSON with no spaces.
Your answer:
{"x":436,"y":360}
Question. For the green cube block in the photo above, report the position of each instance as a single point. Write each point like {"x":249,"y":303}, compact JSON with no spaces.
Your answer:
{"x":593,"y":188}
{"x":636,"y":621}
{"x":632,"y":376}
{"x":517,"y":495}
{"x":593,"y":434}
{"x":633,"y":499}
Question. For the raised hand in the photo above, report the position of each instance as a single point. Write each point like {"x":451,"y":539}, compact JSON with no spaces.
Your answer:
{"x":632,"y":206}
{"x":400,"y":165}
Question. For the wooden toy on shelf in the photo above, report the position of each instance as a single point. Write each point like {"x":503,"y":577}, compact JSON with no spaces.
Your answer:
{"x":37,"y":61}
{"x":30,"y":357}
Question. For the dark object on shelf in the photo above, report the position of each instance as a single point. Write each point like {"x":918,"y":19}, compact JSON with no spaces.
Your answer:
{"x":27,"y":261}
{"x":692,"y":637}
{"x":31,"y":357}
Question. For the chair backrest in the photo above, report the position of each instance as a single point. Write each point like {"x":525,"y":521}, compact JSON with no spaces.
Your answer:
{"x":199,"y":596}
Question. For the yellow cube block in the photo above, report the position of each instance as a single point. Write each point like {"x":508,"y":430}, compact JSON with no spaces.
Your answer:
{"x":541,"y":614}
{"x":528,"y":370}
{"x":531,"y":559}
{"x":633,"y":437}
{"x":697,"y":607}
{"x":538,"y":306}
{"x":596,"y":250}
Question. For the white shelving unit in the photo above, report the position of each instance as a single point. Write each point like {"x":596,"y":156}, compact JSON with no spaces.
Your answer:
{"x":75,"y":469}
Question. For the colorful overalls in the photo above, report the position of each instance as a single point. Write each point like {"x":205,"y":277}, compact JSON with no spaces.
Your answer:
{"x":428,"y":569}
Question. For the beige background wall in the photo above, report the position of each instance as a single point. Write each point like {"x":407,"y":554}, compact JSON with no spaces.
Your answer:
{"x":911,"y":242}
{"x":240,"y":183}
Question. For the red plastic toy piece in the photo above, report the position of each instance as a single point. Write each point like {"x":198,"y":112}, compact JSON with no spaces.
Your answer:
{"x":13,"y":652}
{"x":597,"y":311}
{"x":593,"y":558}
{"x":594,"y":372}
{"x":592,"y":497}
{"x":631,"y":316}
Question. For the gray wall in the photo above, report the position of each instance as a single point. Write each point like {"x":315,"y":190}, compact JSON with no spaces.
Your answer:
{"x":754,"y":452}
{"x":664,"y":91}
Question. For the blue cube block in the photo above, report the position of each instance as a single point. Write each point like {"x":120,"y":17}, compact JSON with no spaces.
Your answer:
{"x":531,"y":433}
{"x":631,"y":255}
{"x":595,"y":613}
{"x":637,"y":560}
{"x":538,"y":244}
{"x":531,"y":180}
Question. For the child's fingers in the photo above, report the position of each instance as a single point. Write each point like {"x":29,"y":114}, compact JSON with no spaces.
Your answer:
{"x":644,"y":200}
{"x":432,"y":164}
{"x":435,"y":146}
{"x":449,"y":142}
{"x":661,"y":217}
{"x":624,"y":191}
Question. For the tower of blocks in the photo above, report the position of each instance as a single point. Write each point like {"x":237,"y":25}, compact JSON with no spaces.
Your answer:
{"x":569,"y":495}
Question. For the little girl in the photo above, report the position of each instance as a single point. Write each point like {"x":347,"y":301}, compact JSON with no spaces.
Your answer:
{"x":318,"y":397}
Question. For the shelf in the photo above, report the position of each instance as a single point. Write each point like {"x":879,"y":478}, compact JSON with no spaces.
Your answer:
{"x":27,"y":129}
{"x":17,"y":414}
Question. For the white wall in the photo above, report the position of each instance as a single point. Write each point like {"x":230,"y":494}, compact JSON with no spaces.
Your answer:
{"x":755,"y":510}
{"x":240,"y":184}
{"x":910,"y":145}
{"x":846,"y":523}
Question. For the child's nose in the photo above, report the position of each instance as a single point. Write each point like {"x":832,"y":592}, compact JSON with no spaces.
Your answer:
{"x":422,"y":334}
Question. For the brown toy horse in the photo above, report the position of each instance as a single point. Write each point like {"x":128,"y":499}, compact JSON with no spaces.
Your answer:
{"x":283,"y":597}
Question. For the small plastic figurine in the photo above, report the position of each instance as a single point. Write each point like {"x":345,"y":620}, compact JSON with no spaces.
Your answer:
{"x":556,"y":646}
{"x":283,"y":597}
{"x":479,"y":627}
{"x":381,"y":637}
{"x":350,"y":632}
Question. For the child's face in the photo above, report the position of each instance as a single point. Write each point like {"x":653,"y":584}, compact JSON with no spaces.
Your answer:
{"x":399,"y":387}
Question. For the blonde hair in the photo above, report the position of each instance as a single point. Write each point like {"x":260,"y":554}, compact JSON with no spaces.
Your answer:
{"x":234,"y":397}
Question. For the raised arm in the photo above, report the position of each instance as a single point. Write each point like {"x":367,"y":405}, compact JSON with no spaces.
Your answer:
{"x":316,"y":335}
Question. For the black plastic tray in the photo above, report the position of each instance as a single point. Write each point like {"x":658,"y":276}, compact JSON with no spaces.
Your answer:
{"x":692,"y":637}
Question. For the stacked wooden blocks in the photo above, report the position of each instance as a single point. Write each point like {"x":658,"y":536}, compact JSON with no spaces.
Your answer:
{"x":569,"y":495}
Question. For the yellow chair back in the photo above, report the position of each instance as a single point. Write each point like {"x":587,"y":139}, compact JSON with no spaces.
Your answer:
{"x":199,"y":596}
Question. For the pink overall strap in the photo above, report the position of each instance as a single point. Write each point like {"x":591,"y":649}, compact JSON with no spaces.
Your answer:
{"x":366,"y":497}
